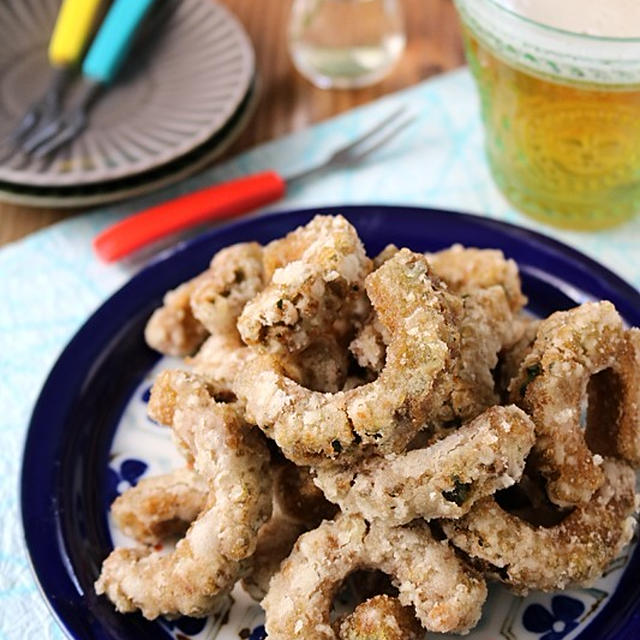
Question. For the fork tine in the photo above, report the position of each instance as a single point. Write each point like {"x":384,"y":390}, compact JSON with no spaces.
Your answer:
{"x":356,"y":157}
{"x":42,"y":135}
{"x":372,"y":131}
{"x":66,"y":134}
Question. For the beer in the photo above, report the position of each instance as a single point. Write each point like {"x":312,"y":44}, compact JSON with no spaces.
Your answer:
{"x":561,"y":109}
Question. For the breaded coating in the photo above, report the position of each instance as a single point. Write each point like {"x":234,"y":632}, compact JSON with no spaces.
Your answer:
{"x":447,"y":595}
{"x":298,"y":498}
{"x":486,"y":326}
{"x":236,"y":276}
{"x":160,"y":507}
{"x":220,"y":358}
{"x":369,"y":347}
{"x":441,"y":481}
{"x":574,"y":552}
{"x":315,"y":428}
{"x":298,"y":506}
{"x":234,"y":460}
{"x":613,"y":411}
{"x":466,"y":269}
{"x":381,"y":618}
{"x":172,"y":329}
{"x":525,"y":329}
{"x":318,"y":294}
{"x":551,"y":385}
{"x":276,"y":539}
{"x":388,"y":252}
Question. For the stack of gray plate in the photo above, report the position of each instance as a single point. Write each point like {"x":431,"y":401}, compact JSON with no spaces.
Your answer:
{"x":187,"y":90}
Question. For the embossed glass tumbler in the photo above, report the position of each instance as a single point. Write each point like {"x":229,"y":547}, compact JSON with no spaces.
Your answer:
{"x":562,"y":116}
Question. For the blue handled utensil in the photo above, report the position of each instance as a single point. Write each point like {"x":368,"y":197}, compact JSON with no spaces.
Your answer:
{"x":100,"y":67}
{"x":71,"y":33}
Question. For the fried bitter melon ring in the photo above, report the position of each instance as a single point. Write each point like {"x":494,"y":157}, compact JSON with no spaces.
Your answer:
{"x":319,"y":292}
{"x":466,"y":269}
{"x":441,"y":481}
{"x":380,"y":618}
{"x":172,"y":329}
{"x":315,"y":428}
{"x":298,"y":506}
{"x":551,"y":386}
{"x":574,"y":552}
{"x":161,"y":506}
{"x":447,"y":595}
{"x":209,"y":303}
{"x":236,"y":276}
{"x":234,"y":460}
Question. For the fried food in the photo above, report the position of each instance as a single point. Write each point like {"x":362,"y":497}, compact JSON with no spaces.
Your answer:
{"x":298,"y":498}
{"x":613,"y":410}
{"x":315,"y":428}
{"x":466,"y":269}
{"x":236,"y":276}
{"x":457,"y":439}
{"x":380,"y":618}
{"x":322,"y":366}
{"x":441,"y":481}
{"x":574,"y":552}
{"x":275,"y":541}
{"x":220,"y":358}
{"x":234,"y":460}
{"x":525,"y":328}
{"x":369,"y":347}
{"x":570,"y":348}
{"x":486,"y":327}
{"x":298,"y":506}
{"x":172,"y":329}
{"x":317,"y":293}
{"x":447,"y":595}
{"x":160,"y":507}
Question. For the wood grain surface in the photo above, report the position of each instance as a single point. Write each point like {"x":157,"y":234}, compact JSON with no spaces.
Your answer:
{"x":288,"y":101}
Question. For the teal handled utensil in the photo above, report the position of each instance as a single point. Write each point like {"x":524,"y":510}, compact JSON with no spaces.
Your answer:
{"x":100,"y":67}
{"x":71,"y":34}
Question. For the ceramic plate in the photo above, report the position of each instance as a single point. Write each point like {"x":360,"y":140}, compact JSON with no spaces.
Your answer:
{"x":89,"y":437}
{"x":190,"y":69}
{"x":113,"y":190}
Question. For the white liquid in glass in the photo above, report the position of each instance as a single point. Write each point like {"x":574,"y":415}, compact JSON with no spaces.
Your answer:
{"x":346,"y":43}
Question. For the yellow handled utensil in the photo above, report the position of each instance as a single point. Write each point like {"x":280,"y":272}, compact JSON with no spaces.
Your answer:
{"x":73,"y":28}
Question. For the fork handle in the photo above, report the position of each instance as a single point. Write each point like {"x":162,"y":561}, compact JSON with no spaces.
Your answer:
{"x":72,"y":31}
{"x":113,"y":40}
{"x":221,"y":201}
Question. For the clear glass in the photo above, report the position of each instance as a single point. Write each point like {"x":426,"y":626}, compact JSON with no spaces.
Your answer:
{"x":346,"y":43}
{"x":562,"y":116}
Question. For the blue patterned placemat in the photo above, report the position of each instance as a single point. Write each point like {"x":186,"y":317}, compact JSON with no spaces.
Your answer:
{"x":50,"y":281}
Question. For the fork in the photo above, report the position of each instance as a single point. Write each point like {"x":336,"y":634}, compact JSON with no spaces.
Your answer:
{"x":100,"y":66}
{"x":235,"y":197}
{"x":71,"y":33}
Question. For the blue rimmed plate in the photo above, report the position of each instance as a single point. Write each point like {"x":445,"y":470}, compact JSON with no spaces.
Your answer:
{"x":89,"y":438}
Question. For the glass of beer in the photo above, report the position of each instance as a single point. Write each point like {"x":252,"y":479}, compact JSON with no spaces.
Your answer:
{"x":559,"y":84}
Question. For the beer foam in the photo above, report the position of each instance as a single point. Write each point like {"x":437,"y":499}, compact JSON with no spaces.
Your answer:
{"x":603,"y":18}
{"x":577,"y":49}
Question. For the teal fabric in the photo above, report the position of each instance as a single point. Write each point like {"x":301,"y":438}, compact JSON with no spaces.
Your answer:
{"x":50,"y":282}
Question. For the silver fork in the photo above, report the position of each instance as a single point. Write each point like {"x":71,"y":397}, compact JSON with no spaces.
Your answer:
{"x":235,"y":197}
{"x":357,"y":150}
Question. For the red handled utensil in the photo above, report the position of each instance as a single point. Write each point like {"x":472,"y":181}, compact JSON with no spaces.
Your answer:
{"x":232,"y":198}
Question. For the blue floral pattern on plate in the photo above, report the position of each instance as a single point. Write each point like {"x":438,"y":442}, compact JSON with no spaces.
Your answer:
{"x":555,"y":624}
{"x":124,"y":476}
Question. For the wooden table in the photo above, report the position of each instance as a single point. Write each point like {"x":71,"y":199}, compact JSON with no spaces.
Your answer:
{"x":288,"y":101}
